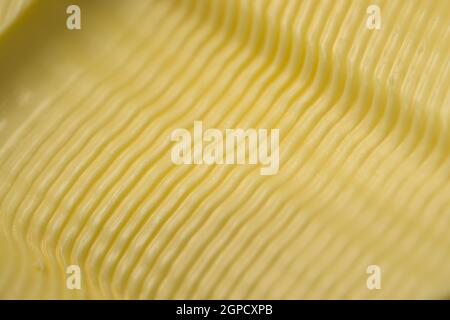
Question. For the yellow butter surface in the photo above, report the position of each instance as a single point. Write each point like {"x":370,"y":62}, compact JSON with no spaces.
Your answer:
{"x":87,"y":180}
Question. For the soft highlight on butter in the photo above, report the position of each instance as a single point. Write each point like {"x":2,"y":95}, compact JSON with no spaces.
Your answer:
{"x":234,"y":146}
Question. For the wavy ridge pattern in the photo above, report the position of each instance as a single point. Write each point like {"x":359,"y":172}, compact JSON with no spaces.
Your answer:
{"x":86,"y":177}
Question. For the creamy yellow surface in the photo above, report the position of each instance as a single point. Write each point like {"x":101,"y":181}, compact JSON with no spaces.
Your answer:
{"x":86,"y":176}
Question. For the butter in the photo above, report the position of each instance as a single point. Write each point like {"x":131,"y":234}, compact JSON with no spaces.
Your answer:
{"x":93,"y":207}
{"x":235,"y":146}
